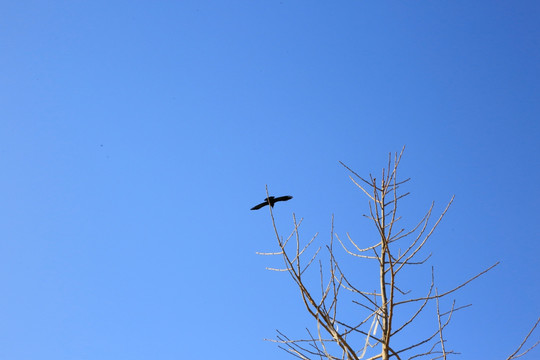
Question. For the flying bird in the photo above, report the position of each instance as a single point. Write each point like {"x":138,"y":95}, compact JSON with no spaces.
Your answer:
{"x":271,"y":200}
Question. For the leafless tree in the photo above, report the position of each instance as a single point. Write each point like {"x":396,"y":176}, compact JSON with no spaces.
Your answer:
{"x":375,"y":334}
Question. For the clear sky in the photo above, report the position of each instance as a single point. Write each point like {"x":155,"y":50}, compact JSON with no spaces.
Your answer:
{"x":135,"y":136}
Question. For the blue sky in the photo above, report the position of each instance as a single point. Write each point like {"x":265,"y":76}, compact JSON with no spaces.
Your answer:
{"x":135,"y":136}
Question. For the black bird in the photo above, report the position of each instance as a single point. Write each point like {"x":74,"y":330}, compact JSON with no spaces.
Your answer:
{"x":271,"y":200}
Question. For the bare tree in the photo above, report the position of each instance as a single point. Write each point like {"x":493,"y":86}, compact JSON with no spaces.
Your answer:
{"x":387,"y":310}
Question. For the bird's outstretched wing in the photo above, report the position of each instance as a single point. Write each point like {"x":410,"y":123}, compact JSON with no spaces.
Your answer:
{"x":283,"y":198}
{"x":257,"y":207}
{"x":270,"y":198}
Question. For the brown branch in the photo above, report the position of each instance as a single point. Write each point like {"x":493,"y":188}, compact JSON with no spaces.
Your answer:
{"x":440,"y":327}
{"x":513,"y":355}
{"x":450,"y":291}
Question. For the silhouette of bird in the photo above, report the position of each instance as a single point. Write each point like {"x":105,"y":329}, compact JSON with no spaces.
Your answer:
{"x":271,"y":200}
